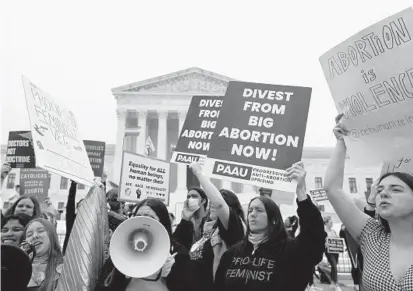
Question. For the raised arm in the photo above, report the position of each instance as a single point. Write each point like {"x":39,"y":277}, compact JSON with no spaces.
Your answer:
{"x":346,"y":209}
{"x":214,"y":196}
{"x":311,"y":239}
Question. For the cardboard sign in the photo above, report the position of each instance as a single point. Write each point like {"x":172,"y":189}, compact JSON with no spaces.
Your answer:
{"x":144,"y":177}
{"x":335,"y":245}
{"x":57,"y":143}
{"x":370,"y":76}
{"x":319,"y":195}
{"x":34,"y":182}
{"x":197,"y":130}
{"x":20,"y":152}
{"x":96,"y":153}
{"x":260,"y":133}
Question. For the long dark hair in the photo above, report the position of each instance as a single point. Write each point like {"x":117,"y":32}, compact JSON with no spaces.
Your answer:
{"x":36,"y":209}
{"x":276,"y":232}
{"x":161,"y":211}
{"x":55,"y":256}
{"x":233,"y":203}
{"x":408,"y":180}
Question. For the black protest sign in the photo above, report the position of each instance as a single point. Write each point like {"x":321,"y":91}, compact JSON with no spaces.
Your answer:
{"x":259,"y":134}
{"x":96,"y":153}
{"x":34,"y":182}
{"x":335,"y":245}
{"x":199,"y":126}
{"x":20,"y":152}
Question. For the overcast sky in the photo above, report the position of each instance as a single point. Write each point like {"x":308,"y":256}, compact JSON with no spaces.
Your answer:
{"x":78,"y":52}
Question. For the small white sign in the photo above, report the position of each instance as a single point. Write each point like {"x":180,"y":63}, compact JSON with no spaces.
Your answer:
{"x":335,"y":245}
{"x":144,"y":177}
{"x":319,"y":195}
{"x":57,"y":142}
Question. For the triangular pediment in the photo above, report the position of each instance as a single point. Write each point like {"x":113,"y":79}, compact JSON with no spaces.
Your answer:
{"x":189,"y":80}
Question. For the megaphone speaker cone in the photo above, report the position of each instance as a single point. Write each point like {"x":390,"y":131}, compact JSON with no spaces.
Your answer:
{"x":139,"y":247}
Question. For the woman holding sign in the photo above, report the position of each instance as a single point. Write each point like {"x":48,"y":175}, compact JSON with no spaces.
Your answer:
{"x":387,"y":244}
{"x":331,"y":257}
{"x":222,"y":229}
{"x":268,"y":259}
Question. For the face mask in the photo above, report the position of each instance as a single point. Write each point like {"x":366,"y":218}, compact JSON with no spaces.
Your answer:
{"x":193,"y":204}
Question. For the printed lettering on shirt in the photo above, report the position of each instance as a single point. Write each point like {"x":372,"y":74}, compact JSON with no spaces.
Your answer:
{"x":251,"y":269}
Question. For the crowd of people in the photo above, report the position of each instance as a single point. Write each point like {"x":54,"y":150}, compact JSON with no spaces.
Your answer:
{"x":216,"y":246}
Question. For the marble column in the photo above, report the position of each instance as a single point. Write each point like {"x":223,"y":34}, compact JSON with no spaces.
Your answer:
{"x":121,"y":116}
{"x":181,"y":167}
{"x":142,"y":134}
{"x":162,"y":127}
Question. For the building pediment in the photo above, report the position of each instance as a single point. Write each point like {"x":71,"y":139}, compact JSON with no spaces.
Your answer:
{"x":190,"y":80}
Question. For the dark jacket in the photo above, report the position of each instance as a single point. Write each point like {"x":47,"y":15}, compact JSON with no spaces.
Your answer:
{"x":275,"y":266}
{"x":176,"y":280}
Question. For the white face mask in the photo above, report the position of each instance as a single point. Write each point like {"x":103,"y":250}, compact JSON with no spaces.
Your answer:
{"x":193,"y":204}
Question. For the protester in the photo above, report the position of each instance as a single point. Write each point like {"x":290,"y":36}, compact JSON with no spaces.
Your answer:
{"x":195,"y":212}
{"x":48,"y":260}
{"x":12,"y":228}
{"x":267,"y":259}
{"x":332,"y":258}
{"x":387,"y":244}
{"x":172,"y":276}
{"x":25,"y":204}
{"x":223,"y":228}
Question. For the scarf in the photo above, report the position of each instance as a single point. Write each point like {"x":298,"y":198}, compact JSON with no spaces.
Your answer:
{"x":256,"y":239}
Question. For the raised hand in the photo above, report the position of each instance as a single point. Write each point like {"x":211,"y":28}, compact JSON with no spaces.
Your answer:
{"x":297,"y":172}
{"x":340,"y":130}
{"x":5,"y":170}
{"x":196,"y":168}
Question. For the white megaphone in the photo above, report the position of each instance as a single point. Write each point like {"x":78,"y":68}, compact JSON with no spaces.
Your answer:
{"x":139,"y":247}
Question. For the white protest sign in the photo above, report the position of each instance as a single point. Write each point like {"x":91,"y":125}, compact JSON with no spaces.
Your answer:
{"x":335,"y":245}
{"x":144,"y":177}
{"x":57,"y":142}
{"x":319,"y":195}
{"x":370,"y":76}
